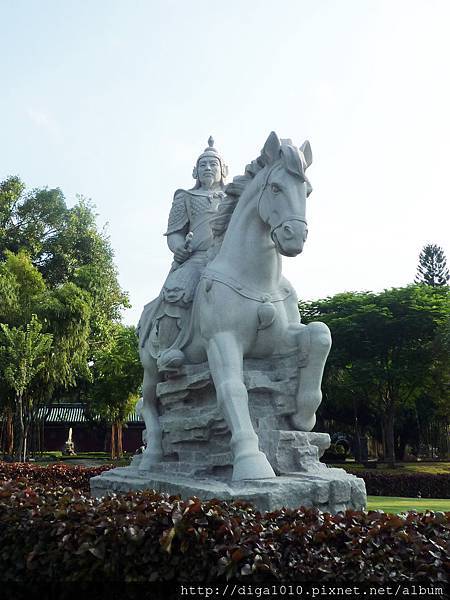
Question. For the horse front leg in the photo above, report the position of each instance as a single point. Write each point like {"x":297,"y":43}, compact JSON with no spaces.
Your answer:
{"x":314,"y":343}
{"x":225,"y":360}
{"x":153,"y":451}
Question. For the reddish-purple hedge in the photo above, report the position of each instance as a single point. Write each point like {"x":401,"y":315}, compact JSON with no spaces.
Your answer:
{"x":378,"y":483}
{"x":55,"y":533}
{"x":73,"y":476}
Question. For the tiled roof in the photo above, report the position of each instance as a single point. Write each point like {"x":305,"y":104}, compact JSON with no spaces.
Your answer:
{"x":73,"y":413}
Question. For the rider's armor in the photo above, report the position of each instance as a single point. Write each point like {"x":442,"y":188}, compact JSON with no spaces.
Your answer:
{"x":167,"y":317}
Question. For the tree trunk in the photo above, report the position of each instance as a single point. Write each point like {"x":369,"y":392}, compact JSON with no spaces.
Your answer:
{"x":42,"y":436}
{"x":401,"y":447}
{"x":113,"y":441}
{"x":357,"y":437}
{"x":119,"y":440}
{"x":390,"y":434}
{"x":419,"y":430}
{"x":25,"y":449}
{"x":9,"y":432}
{"x":383,"y":438}
{"x":26,"y":433}
{"x":20,"y":430}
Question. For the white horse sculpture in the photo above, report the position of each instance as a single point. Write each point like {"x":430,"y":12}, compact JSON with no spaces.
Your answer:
{"x":244,"y":307}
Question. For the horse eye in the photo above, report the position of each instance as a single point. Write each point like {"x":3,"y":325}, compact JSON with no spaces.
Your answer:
{"x":275,"y":188}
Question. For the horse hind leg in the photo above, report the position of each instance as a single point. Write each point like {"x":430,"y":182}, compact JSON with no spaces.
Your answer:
{"x":153,"y":451}
{"x":314,"y":346}
{"x":225,"y":363}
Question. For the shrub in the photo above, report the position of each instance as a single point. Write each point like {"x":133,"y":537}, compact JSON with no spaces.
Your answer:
{"x":407,"y":485}
{"x":58,"y":474}
{"x":378,"y":483}
{"x":58,"y":534}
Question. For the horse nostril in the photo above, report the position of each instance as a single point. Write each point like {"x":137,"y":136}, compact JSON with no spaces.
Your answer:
{"x":288,"y":231}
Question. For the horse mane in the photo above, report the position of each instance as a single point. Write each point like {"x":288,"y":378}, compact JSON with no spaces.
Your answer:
{"x":293,"y":161}
{"x":233,"y":192}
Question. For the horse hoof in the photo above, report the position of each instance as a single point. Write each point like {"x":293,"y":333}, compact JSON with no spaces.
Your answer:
{"x":303,"y":423}
{"x":255,"y":466}
{"x":149,"y":459}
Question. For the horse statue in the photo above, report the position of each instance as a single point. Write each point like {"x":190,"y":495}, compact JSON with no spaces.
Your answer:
{"x":244,"y":308}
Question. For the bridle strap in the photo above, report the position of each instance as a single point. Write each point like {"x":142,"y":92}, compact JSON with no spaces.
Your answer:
{"x":290,"y":218}
{"x":293,"y":218}
{"x":263,"y":188}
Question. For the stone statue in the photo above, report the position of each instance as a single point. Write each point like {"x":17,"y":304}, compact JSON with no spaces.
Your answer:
{"x":189,"y":236}
{"x":69,"y":446}
{"x":231,"y":376}
{"x":243,"y":306}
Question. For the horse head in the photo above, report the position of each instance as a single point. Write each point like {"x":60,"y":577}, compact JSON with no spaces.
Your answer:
{"x":285,"y":187}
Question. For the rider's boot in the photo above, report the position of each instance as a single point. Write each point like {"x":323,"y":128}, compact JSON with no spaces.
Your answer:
{"x":170,"y":359}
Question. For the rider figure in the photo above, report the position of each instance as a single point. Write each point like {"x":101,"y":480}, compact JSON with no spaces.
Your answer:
{"x":189,"y":236}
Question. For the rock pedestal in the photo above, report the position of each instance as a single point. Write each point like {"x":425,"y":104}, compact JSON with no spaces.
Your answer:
{"x":197,"y":458}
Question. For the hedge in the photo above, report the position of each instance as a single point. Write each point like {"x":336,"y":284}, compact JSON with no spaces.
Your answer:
{"x":406,"y":485}
{"x":378,"y":483}
{"x":55,"y":533}
{"x":74,"y":476}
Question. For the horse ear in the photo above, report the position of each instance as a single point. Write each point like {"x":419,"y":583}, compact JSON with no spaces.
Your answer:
{"x":307,"y":153}
{"x":271,"y":151}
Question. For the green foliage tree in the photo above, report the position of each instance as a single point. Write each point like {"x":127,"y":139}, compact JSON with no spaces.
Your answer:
{"x":116,"y":381}
{"x":66,"y":246}
{"x":432,"y":268}
{"x":56,"y":263}
{"x":63,"y":314}
{"x":385,"y":351}
{"x":21,"y":287}
{"x":23,"y":355}
{"x":30,"y":221}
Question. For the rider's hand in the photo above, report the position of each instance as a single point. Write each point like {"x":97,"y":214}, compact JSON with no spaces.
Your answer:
{"x":181,"y":254}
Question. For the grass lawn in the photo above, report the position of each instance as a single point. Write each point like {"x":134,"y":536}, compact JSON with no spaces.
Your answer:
{"x":84,"y":458}
{"x":58,"y":455}
{"x":396,"y":505}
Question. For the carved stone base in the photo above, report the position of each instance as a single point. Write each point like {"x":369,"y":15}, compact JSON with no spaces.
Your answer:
{"x":195,"y":434}
{"x":331,"y":490}
{"x":294,"y":451}
{"x":197,"y":458}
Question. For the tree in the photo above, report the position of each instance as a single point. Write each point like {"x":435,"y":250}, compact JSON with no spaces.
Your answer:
{"x":30,"y":221}
{"x":116,"y":380}
{"x":66,"y":246}
{"x":62,"y":314}
{"x":384,"y":354}
{"x":23,"y":356}
{"x":432,"y":269}
{"x":21,"y":286}
{"x":56,"y":263}
{"x":433,"y":405}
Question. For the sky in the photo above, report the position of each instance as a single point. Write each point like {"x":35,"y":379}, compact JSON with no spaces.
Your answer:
{"x":115,"y":100}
